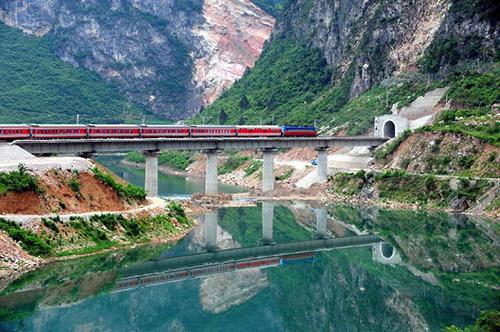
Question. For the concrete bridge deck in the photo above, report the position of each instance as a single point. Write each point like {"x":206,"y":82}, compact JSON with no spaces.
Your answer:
{"x":209,"y":143}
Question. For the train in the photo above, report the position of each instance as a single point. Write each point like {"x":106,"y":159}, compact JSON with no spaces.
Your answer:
{"x":68,"y":131}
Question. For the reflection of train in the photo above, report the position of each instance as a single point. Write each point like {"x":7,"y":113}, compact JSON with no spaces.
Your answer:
{"x":198,"y":271}
{"x":13,"y":132}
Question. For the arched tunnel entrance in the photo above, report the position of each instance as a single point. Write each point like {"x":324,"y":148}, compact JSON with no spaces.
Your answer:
{"x":389,"y":129}
{"x":387,"y":250}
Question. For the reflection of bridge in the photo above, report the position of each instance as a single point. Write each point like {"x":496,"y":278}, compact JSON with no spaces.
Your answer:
{"x":191,"y":266}
{"x":211,"y":146}
{"x":268,"y":254}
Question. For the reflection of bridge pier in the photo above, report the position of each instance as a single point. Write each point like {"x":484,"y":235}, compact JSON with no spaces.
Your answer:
{"x":321,"y":222}
{"x":210,"y":230}
{"x":267,"y":222}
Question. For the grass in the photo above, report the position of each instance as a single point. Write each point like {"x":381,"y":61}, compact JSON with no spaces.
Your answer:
{"x":74,"y":184}
{"x":127,"y":191}
{"x":18,"y":181}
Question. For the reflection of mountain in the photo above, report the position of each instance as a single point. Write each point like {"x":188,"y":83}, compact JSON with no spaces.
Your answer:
{"x":343,"y":290}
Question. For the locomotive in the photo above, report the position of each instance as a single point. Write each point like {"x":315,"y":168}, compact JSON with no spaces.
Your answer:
{"x":66,"y":131}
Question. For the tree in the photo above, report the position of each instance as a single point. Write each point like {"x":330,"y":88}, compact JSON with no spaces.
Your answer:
{"x":222,"y":117}
{"x":241,"y":121}
{"x":244,"y":103}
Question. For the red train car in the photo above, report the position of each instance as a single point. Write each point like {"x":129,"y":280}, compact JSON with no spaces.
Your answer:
{"x":113,"y":131}
{"x":13,"y":132}
{"x":58,"y":131}
{"x":259,"y":131}
{"x":156,"y":131}
{"x":213,"y":131}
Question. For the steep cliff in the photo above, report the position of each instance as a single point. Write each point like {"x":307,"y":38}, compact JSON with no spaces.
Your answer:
{"x":324,"y":54}
{"x":150,"y":48}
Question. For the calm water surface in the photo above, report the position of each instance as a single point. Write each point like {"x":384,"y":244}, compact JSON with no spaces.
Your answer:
{"x":168,"y":185}
{"x":294,"y":266}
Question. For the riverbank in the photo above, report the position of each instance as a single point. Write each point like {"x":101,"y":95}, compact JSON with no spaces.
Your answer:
{"x":42,"y":241}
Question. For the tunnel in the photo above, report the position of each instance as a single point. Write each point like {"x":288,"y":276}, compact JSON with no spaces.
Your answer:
{"x":389,"y":129}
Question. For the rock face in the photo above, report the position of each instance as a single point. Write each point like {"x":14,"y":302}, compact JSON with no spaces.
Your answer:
{"x":233,"y":36}
{"x":368,"y":41}
{"x":169,"y":55}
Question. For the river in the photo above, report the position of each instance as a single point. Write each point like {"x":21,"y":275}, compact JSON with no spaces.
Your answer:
{"x":293,"y":266}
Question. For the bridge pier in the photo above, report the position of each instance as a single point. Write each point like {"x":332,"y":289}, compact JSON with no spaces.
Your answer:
{"x":151,"y":179}
{"x":267,"y":222}
{"x":210,"y":226}
{"x":322,"y":168}
{"x":211,"y":172}
{"x":321,"y":222}
{"x":268,"y":170}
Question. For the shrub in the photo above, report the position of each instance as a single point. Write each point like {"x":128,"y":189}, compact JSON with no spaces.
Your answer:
{"x":232,"y":163}
{"x":253,"y":167}
{"x":175,"y":159}
{"x":124,"y":191}
{"x":387,"y":149}
{"x":135,"y":157}
{"x":285,"y":175}
{"x":18,"y":181}
{"x":74,"y":184}
{"x":29,"y":241}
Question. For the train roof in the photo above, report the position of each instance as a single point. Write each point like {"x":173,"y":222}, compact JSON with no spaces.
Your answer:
{"x":212,"y":126}
{"x":165,"y":126}
{"x":59,"y":125}
{"x":258,"y":126}
{"x":14,"y":125}
{"x":113,"y":125}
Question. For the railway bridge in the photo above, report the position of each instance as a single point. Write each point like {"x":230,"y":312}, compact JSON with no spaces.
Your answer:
{"x":210,"y":146}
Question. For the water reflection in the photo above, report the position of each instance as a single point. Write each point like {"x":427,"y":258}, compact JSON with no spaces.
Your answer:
{"x":279,"y":267}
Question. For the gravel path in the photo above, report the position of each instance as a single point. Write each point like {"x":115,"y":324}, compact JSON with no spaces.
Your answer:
{"x":154,"y":203}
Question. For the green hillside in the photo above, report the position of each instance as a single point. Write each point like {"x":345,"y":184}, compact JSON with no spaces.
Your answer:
{"x":37,"y":87}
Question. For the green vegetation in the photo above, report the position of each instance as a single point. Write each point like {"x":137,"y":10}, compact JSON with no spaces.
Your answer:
{"x":233,"y":162}
{"x":254,"y":166}
{"x":272,"y":7}
{"x":387,"y":149}
{"x":291,"y":84}
{"x":176,"y":159}
{"x":34,"y":244}
{"x":74,"y":184}
{"x":127,"y":191}
{"x":488,"y":321}
{"x":18,"y":181}
{"x":285,"y":175}
{"x":36,"y":86}
{"x":399,"y":186}
{"x":135,"y":157}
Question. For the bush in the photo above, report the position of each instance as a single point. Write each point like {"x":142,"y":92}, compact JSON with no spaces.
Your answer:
{"x":232,"y":163}
{"x":124,"y":191}
{"x":285,"y":175}
{"x":253,"y":167}
{"x":74,"y":184}
{"x":175,"y":159}
{"x":135,"y":157}
{"x":18,"y":181}
{"x":29,"y":241}
{"x":387,"y":149}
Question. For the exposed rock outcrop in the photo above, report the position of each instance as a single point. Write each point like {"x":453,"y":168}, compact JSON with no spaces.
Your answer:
{"x":171,"y":56}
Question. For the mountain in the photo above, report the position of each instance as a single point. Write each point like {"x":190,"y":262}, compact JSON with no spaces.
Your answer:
{"x":344,"y":62}
{"x":172,"y":57}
